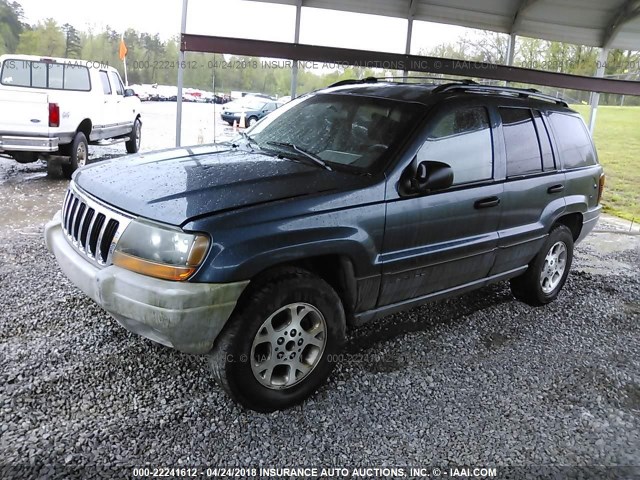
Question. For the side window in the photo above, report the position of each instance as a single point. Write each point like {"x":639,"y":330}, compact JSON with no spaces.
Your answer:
{"x":104,"y":80}
{"x":117,"y":83}
{"x":76,"y":77}
{"x":521,"y":140}
{"x":462,"y":139}
{"x":574,"y":144}
{"x":548,"y":160}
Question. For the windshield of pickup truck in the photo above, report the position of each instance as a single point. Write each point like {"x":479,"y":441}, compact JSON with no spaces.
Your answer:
{"x":355,"y":132}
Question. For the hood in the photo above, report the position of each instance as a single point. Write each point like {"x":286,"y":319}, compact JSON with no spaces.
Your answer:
{"x":173,"y":186}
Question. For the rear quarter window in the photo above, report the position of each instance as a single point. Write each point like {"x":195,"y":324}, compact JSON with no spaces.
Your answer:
{"x":574,"y":143}
{"x":521,"y":141}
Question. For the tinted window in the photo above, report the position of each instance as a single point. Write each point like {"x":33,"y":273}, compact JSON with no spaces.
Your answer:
{"x":521,"y":141}
{"x":116,"y":83}
{"x":57,"y":76}
{"x":548,"y":161}
{"x":462,"y":139}
{"x":104,"y":80}
{"x":574,"y":144}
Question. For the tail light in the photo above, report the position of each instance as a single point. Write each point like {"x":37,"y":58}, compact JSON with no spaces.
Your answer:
{"x":601,"y":187}
{"x":54,"y":115}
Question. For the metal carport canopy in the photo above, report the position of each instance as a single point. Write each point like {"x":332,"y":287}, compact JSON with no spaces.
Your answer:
{"x":597,"y":23}
{"x":600,"y":23}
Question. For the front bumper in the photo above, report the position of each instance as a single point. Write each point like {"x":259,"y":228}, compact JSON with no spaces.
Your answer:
{"x":185,"y":316}
{"x":10,"y":143}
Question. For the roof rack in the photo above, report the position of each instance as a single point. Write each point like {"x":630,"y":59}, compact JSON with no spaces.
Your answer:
{"x":520,"y":92}
{"x":464,"y":81}
{"x":353,"y":81}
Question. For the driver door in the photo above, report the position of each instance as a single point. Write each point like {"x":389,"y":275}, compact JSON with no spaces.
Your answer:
{"x":445,"y":239}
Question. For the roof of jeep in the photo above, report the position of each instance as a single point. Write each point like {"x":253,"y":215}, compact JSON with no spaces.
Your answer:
{"x":424,"y":93}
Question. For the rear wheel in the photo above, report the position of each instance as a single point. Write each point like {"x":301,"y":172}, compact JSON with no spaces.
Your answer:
{"x":133,"y":144}
{"x":79,"y":155}
{"x":548,"y":272}
{"x":280,"y":344}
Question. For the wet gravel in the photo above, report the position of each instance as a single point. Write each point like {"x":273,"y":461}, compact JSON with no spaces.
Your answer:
{"x":479,"y":380}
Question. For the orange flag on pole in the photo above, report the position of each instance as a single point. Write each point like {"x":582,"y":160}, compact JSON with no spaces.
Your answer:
{"x":123,"y":49}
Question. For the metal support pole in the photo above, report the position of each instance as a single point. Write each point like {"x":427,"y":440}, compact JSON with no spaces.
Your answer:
{"x":595,"y":96}
{"x":410,"y":18}
{"x":296,"y":40}
{"x":183,"y":29}
{"x":511,"y":49}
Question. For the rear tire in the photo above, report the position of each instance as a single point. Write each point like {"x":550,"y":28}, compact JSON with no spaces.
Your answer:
{"x":548,"y":271}
{"x":280,"y":344}
{"x":133,"y":144}
{"x":79,"y":155}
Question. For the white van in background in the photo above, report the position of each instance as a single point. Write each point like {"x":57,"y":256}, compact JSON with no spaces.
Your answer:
{"x":57,"y":106}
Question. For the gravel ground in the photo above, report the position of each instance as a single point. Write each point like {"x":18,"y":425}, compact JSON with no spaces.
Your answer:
{"x":479,"y":380}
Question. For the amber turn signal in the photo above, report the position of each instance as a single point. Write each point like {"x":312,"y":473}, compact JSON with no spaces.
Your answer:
{"x":152,"y":269}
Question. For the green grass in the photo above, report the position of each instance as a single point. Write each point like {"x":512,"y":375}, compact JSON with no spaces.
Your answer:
{"x":617,"y":139}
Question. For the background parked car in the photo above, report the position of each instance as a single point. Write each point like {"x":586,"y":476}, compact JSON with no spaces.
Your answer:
{"x":254,"y":109}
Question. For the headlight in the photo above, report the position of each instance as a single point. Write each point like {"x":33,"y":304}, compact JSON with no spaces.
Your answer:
{"x":159,"y":251}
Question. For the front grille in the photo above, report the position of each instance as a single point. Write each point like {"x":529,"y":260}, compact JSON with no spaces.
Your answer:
{"x":91,"y":227}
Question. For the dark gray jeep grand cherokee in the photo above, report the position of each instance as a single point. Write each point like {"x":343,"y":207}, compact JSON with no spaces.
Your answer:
{"x":342,"y":207}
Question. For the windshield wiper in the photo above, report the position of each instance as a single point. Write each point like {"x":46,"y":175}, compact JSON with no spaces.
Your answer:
{"x":250,"y":141}
{"x":317,"y":160}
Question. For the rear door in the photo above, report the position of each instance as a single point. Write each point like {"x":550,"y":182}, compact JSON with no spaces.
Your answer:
{"x":24,"y":110}
{"x":123,"y":114}
{"x":448,"y":238}
{"x":106,"y":115}
{"x":533,"y":189}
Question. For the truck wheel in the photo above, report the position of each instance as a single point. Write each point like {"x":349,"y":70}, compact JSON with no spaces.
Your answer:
{"x":280,"y":344}
{"x":133,"y":145}
{"x":548,"y":272}
{"x":79,"y":155}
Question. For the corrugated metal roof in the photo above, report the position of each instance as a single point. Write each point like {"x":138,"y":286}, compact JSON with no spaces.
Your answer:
{"x":598,"y":23}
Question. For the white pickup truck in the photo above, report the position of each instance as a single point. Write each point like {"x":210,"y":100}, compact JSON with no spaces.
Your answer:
{"x":57,"y":106}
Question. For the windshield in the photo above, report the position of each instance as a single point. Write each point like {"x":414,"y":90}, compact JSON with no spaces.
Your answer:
{"x":342,"y":130}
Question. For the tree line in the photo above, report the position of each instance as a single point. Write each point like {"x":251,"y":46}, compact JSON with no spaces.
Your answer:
{"x":152,"y":59}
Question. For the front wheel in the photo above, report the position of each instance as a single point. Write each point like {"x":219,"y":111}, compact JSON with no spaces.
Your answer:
{"x":548,"y":272}
{"x":79,"y":155}
{"x":253,"y":121}
{"x":280,"y":344}
{"x":133,"y":144}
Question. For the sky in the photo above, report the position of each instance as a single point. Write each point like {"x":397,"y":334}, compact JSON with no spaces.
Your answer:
{"x":241,"y":18}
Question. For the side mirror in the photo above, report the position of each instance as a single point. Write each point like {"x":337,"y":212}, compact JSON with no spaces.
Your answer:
{"x":129,"y":92}
{"x":428,"y":177}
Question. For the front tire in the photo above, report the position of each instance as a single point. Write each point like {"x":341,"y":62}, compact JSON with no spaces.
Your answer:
{"x":133,"y":144}
{"x":252,"y":121}
{"x":79,"y":155}
{"x":548,"y":272}
{"x":280,"y":344}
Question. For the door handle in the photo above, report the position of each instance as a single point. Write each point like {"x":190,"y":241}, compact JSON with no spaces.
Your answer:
{"x":487,"y":202}
{"x":556,"y":188}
